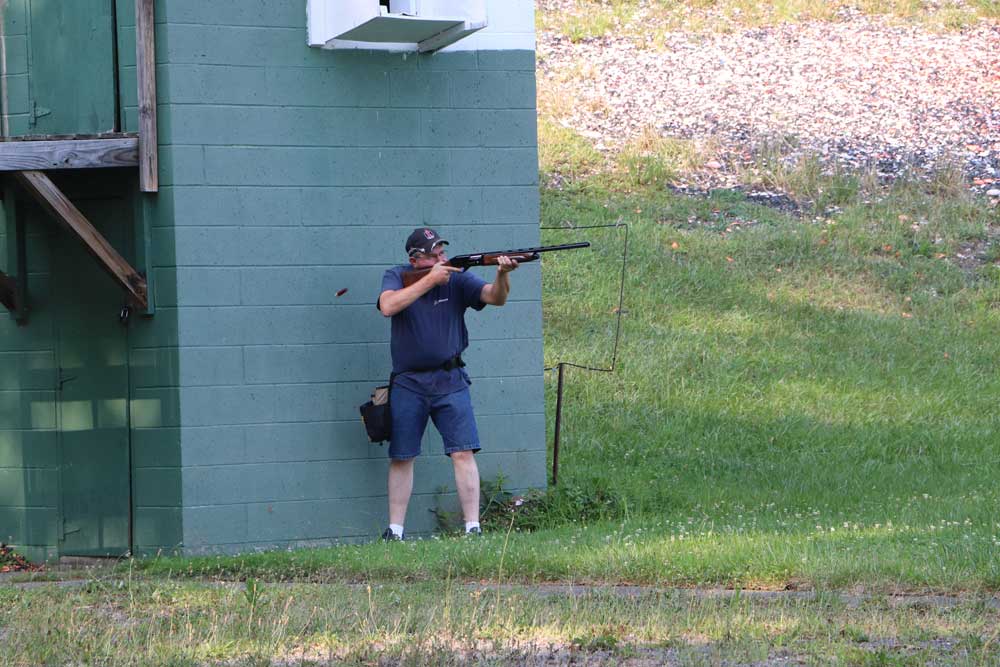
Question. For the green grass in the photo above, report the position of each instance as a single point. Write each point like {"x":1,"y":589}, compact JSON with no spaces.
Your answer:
{"x":166,"y":622}
{"x":591,"y":19}
{"x":805,"y":401}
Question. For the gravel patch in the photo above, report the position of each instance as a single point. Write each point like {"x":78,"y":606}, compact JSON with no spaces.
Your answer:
{"x":860,"y":93}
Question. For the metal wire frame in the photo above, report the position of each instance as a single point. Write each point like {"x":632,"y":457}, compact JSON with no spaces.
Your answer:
{"x":614,"y":352}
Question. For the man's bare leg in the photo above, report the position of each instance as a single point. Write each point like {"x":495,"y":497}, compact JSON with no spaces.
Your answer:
{"x":467,"y":483}
{"x":400,"y":488}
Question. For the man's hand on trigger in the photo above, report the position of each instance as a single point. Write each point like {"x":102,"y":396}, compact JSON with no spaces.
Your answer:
{"x":505,"y":264}
{"x":441,"y":273}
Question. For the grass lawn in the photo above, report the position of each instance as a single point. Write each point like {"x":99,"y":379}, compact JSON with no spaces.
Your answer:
{"x":177,"y":623}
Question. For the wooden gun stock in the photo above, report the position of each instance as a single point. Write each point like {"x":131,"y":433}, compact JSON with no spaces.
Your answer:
{"x":411,"y":277}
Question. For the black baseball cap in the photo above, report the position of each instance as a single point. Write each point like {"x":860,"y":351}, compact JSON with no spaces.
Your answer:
{"x":423,"y":239}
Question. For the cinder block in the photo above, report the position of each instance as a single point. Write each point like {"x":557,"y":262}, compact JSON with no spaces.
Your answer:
{"x":512,"y":60}
{"x":236,"y":13}
{"x":237,"y":206}
{"x":157,"y":529}
{"x":321,"y":519}
{"x":511,"y":204}
{"x":293,"y":126}
{"x":508,"y":396}
{"x":200,"y":366}
{"x":156,"y":447}
{"x":517,"y":319}
{"x":303,"y":325}
{"x":518,"y":433}
{"x":205,"y":366}
{"x":193,"y":286}
{"x":155,"y":408}
{"x":306,"y":166}
{"x":505,"y":357}
{"x":265,"y":84}
{"x":182,"y":165}
{"x":214,"y":445}
{"x":270,"y":364}
{"x":401,"y":207}
{"x":159,"y":331}
{"x":486,"y":90}
{"x":481,"y":238}
{"x":447,"y":60}
{"x":311,"y":285}
{"x":157,"y":487}
{"x":237,"y":45}
{"x":263,"y":404}
{"x":310,"y":441}
{"x":477,"y":127}
{"x":494,"y":166}
{"x":214,"y":525}
{"x":419,"y":89}
{"x":282,"y":482}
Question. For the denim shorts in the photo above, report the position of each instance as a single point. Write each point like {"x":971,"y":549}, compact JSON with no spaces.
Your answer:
{"x":451,"y":413}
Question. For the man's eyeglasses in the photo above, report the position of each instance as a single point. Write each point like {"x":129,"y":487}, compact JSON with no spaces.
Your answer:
{"x":437,"y":254}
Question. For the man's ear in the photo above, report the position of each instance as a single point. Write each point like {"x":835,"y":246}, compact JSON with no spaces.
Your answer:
{"x":413,"y":262}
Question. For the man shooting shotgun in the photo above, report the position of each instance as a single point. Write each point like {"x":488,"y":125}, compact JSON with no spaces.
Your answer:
{"x":519,"y":256}
{"x":427,"y":300}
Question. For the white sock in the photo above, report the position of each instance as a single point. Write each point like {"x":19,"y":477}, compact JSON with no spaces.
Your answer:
{"x":469,"y":525}
{"x":396,"y":529}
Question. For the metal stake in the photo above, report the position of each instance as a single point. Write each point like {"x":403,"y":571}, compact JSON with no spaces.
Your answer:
{"x":555,"y":444}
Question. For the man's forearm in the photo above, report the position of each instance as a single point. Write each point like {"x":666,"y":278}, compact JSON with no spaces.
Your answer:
{"x":500,"y":288}
{"x":391,"y":303}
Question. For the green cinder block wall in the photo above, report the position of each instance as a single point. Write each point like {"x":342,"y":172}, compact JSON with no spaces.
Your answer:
{"x":295,"y":173}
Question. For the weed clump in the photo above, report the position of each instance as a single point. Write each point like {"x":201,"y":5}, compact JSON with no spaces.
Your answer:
{"x":578,"y":502}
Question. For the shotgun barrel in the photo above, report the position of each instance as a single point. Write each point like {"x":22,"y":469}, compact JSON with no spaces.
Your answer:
{"x":520,"y":255}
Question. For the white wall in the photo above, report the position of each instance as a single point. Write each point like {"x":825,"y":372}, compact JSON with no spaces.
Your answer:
{"x":511,"y":27}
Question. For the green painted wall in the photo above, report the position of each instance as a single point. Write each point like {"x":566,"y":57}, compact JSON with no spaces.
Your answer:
{"x":297,"y":172}
{"x":34,"y":430}
{"x":29,"y":445}
{"x":289,"y":173}
{"x":31,"y":448}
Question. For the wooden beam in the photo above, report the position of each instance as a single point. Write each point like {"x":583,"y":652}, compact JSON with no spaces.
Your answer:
{"x":143,"y":235}
{"x":8,"y":293}
{"x":74,"y":137}
{"x":145,"y":60}
{"x":68,"y":154}
{"x":62,"y":209}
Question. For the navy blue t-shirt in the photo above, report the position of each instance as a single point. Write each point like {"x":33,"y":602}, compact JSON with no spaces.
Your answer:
{"x":431,"y":330}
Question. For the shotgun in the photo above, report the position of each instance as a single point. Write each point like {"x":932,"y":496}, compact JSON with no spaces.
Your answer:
{"x":520,"y":255}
